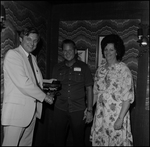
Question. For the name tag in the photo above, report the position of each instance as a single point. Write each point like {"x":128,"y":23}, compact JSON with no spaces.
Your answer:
{"x":77,"y":69}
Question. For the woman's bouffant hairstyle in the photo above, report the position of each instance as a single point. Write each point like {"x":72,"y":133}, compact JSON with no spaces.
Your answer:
{"x":68,"y":41}
{"x":118,"y":45}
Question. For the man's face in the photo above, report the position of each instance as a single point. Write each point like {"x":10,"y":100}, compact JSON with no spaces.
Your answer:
{"x":68,"y":51}
{"x":29,"y":42}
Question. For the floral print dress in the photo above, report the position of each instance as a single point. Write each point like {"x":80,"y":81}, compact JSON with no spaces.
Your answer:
{"x":112,"y":86}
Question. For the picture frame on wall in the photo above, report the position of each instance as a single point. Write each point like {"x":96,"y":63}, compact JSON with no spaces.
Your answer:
{"x":99,"y":56}
{"x":83,"y":55}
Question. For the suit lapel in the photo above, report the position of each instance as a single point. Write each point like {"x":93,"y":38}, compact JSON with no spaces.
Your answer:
{"x":27,"y":64}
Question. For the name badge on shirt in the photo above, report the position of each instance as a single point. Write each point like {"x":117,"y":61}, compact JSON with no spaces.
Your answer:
{"x":77,"y":69}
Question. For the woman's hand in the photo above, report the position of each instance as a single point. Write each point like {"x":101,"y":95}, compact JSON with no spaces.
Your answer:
{"x":118,"y":124}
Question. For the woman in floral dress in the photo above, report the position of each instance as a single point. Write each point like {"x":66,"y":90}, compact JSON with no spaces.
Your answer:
{"x":113,"y":94}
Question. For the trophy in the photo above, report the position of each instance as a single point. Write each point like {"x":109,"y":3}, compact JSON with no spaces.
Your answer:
{"x":53,"y":87}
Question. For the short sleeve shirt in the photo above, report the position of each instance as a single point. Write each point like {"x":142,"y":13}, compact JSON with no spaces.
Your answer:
{"x":74,"y":80}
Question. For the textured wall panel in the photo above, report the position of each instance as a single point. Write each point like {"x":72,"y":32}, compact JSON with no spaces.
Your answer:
{"x":85,"y":34}
{"x":18,"y":16}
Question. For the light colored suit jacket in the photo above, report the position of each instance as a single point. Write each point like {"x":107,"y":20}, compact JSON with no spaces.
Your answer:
{"x":22,"y":97}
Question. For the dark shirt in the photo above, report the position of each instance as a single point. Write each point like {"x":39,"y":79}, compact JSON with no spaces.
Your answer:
{"x":74,"y":79}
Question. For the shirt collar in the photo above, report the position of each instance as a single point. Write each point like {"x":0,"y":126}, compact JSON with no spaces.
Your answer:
{"x":77,"y":63}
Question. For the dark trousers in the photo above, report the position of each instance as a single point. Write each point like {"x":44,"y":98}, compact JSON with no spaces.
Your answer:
{"x":64,"y":119}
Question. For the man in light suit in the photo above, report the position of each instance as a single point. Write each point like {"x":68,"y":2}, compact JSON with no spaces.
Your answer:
{"x":23,"y":96}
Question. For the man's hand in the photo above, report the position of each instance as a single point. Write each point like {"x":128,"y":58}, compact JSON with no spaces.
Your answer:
{"x":49,"y":80}
{"x":49,"y":99}
{"x":88,"y":116}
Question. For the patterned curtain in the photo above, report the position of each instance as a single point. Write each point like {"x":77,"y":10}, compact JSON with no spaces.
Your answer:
{"x":18,"y":16}
{"x":85,"y":33}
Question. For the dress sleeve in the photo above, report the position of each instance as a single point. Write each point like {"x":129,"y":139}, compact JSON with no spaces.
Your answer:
{"x":127,"y":86}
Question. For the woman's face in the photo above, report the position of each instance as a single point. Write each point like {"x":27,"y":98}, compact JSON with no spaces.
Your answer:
{"x":68,"y":52}
{"x":110,"y":52}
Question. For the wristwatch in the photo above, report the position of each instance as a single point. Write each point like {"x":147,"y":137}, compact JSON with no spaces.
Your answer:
{"x":89,"y":110}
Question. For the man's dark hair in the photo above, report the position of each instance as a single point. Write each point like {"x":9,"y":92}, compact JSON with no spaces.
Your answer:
{"x":68,"y":41}
{"x":27,"y":30}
